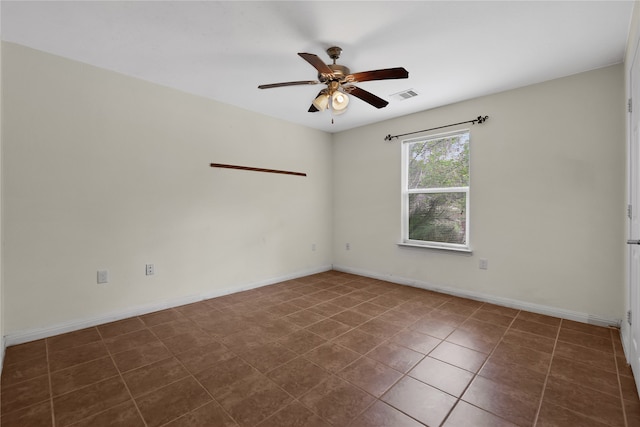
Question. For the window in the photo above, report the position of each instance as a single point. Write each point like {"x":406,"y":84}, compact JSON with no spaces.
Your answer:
{"x":435,"y":194}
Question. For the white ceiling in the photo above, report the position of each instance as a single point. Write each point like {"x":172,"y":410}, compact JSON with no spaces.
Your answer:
{"x":223,"y":50}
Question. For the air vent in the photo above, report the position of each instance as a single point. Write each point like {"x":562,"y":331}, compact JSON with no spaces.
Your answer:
{"x":405,"y":94}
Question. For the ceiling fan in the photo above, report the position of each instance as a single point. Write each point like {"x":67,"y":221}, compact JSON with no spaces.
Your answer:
{"x":339,"y":81}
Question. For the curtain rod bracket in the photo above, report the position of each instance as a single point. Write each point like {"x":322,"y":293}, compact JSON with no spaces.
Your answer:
{"x":479,"y":119}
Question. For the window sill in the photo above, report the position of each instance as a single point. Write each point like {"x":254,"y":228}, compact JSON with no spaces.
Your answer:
{"x":463,"y":249}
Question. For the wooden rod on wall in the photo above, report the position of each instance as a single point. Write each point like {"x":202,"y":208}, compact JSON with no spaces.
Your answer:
{"x":247,"y":168}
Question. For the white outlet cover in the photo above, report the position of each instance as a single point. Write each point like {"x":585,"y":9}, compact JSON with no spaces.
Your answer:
{"x":103,"y":276}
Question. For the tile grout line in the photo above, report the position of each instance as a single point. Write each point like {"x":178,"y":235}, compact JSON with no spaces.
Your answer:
{"x":477,"y":373}
{"x":53,"y":414}
{"x":404,"y":374}
{"x":615,"y":356}
{"x":379,"y":398}
{"x":213,"y":399}
{"x":546,"y":378}
{"x":294,"y":399}
{"x":375,"y":398}
{"x":352,"y":328}
{"x":331,"y":374}
{"x":50,"y":384}
{"x":119,"y":374}
{"x":122,"y":378}
{"x":185,"y":368}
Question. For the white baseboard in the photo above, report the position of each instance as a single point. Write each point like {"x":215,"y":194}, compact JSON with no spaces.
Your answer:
{"x":2,"y":348}
{"x":506,"y":302}
{"x":625,"y":333}
{"x":74,"y":325}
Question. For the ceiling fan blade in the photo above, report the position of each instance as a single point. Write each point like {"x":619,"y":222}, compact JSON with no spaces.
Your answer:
{"x":304,"y":82}
{"x":317,"y":63}
{"x":386,"y":74}
{"x":366,"y":96}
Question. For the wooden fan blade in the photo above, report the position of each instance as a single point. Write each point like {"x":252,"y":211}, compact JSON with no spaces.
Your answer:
{"x":386,"y":74}
{"x":304,"y":82}
{"x":366,"y":96}
{"x":317,"y":63}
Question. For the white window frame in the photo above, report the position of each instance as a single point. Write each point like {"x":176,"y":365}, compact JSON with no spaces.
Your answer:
{"x":405,"y":241}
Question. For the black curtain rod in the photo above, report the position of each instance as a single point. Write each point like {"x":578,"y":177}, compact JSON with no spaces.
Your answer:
{"x":480,"y":119}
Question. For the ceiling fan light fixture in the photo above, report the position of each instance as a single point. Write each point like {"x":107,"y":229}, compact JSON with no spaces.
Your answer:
{"x":336,"y":96}
{"x":321,"y":102}
{"x":339,"y":102}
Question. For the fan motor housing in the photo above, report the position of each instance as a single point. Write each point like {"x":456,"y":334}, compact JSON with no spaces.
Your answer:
{"x":339,"y":73}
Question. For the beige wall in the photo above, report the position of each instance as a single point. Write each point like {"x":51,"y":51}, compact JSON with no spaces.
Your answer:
{"x":547,"y":198}
{"x":103,"y":171}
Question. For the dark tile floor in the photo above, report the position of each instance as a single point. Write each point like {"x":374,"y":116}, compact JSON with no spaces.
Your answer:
{"x":331,"y":349}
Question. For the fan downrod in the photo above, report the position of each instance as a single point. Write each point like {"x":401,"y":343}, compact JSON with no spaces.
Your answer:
{"x":339,"y":71}
{"x":334,"y":53}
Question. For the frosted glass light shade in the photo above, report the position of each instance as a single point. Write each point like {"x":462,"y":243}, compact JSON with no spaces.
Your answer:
{"x":339,"y":102}
{"x":321,"y":102}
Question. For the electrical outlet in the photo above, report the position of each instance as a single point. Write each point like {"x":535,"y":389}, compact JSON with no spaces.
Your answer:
{"x":348,"y":246}
{"x":313,"y":247}
{"x":483,"y":264}
{"x":150,"y":270}
{"x":103,"y":276}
